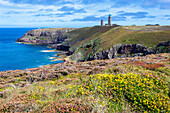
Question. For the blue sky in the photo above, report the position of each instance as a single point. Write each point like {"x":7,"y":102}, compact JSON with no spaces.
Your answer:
{"x":82,"y":13}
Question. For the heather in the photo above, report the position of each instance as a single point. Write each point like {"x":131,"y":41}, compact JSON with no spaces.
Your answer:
{"x":136,"y":84}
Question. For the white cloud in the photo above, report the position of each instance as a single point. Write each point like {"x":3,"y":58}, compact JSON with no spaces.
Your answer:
{"x":6,"y":3}
{"x":92,"y":9}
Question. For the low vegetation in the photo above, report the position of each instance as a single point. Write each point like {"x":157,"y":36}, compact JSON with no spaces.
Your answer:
{"x":138,"y":84}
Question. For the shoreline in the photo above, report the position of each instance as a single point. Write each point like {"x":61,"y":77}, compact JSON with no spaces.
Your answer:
{"x":58,"y":57}
{"x":61,"y":57}
{"x":67,"y":64}
{"x":29,"y":43}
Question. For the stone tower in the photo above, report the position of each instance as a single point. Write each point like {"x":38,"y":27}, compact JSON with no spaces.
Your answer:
{"x":110,"y":20}
{"x":101,"y":22}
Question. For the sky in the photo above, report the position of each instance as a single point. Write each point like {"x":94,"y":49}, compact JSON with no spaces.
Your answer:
{"x":82,"y":13}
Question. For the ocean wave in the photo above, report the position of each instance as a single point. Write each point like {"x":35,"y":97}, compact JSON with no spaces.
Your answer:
{"x":48,"y":51}
{"x":40,"y":65}
{"x":52,"y":57}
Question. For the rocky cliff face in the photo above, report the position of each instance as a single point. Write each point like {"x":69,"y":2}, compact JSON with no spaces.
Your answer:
{"x":45,"y":36}
{"x":122,"y":51}
{"x":126,"y":50}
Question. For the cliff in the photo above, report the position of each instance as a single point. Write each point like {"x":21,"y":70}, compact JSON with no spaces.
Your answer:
{"x":123,"y":41}
{"x":97,"y":42}
{"x":45,"y":36}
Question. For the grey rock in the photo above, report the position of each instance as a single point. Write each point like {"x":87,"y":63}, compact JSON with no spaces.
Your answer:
{"x":165,"y":44}
{"x":43,"y":36}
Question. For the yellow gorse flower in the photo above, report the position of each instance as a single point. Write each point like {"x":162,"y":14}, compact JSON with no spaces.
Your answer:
{"x":139,"y":90}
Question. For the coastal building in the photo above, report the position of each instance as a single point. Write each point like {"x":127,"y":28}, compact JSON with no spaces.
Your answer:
{"x":109,"y":22}
{"x":101,"y":22}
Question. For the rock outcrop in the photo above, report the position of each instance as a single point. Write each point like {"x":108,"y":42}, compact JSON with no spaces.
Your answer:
{"x":45,"y":36}
{"x":163,"y":47}
{"x":131,"y":50}
{"x":164,"y":44}
{"x":60,"y":47}
{"x":123,"y":50}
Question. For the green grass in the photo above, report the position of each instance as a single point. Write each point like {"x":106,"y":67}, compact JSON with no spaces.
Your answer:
{"x":105,"y":37}
{"x":120,"y":35}
{"x":110,"y":36}
{"x":83,"y":35}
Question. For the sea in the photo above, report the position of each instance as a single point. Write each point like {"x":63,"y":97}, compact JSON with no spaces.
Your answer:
{"x":15,"y":56}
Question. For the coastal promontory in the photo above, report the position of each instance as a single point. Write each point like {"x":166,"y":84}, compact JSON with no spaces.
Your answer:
{"x":103,"y":42}
{"x":45,"y":36}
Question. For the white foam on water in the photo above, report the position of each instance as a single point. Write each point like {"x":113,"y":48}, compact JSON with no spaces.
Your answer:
{"x":48,"y":51}
{"x":40,"y":65}
{"x":52,"y":58}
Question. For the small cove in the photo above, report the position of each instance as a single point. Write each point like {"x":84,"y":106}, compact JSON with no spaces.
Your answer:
{"x":21,"y":56}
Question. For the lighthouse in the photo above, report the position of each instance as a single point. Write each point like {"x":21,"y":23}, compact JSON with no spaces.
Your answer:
{"x":101,"y":22}
{"x":110,"y":20}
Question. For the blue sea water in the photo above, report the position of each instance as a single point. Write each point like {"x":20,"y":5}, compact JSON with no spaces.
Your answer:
{"x":21,"y":56}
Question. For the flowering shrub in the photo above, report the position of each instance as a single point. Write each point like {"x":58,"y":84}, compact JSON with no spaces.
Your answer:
{"x":164,"y":70}
{"x":67,"y":106}
{"x":139,"y":84}
{"x":142,"y":93}
{"x":149,"y":66}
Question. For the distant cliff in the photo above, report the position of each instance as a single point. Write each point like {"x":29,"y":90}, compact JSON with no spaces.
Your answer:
{"x":97,"y":42}
{"x":45,"y":36}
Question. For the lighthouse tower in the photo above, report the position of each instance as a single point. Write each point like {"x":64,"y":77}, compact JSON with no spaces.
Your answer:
{"x":101,"y":22}
{"x":110,"y":20}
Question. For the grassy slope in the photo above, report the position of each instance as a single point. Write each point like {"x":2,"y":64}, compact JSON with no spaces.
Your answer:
{"x":106,"y":37}
{"x":109,"y":36}
{"x":148,"y":38}
{"x":83,"y":35}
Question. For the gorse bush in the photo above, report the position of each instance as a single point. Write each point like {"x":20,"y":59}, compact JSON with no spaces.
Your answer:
{"x":142,"y":93}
